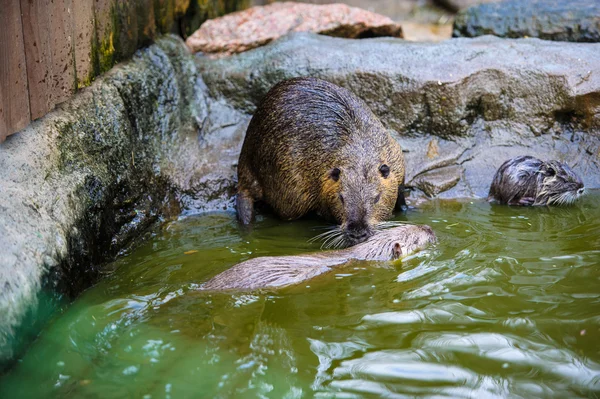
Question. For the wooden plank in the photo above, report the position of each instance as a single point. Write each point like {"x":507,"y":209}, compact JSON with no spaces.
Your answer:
{"x":126,"y":28}
{"x":14,"y":100}
{"x":164,"y":12}
{"x":83,"y":40}
{"x":105,"y":51}
{"x":146,"y":22}
{"x":61,"y":46}
{"x":37,"y":53}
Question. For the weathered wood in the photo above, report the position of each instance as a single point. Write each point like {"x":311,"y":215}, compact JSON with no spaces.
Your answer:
{"x":126,"y":28}
{"x":37,"y":54}
{"x":61,"y":46}
{"x":146,"y":22}
{"x":181,"y":7}
{"x":105,"y":52}
{"x":14,"y":101}
{"x":164,"y":10}
{"x":83,"y":40}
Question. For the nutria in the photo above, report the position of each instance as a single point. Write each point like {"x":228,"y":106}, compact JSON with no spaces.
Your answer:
{"x":312,"y":146}
{"x":526,"y":180}
{"x":282,"y":271}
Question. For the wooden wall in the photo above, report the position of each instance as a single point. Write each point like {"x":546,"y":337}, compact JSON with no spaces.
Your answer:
{"x":50,"y":48}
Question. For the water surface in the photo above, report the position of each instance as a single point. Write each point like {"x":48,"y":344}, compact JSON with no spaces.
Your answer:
{"x":506,"y":304}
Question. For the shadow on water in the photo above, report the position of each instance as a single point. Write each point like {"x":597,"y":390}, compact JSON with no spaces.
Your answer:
{"x":506,"y":304}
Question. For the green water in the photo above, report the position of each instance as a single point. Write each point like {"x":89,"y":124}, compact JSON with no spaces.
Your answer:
{"x":507,"y":304}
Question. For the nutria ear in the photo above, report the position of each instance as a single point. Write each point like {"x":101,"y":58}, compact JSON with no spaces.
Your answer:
{"x":384,"y":170}
{"x":547,"y":169}
{"x":397,"y":250}
{"x":335,"y":174}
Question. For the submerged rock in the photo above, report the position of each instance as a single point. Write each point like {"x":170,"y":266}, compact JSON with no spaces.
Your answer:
{"x":244,"y":30}
{"x":485,"y":100}
{"x":561,"y":20}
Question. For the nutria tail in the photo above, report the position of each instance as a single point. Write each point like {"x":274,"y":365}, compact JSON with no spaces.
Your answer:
{"x":282,"y":271}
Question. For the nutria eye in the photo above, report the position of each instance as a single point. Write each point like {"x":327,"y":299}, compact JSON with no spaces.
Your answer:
{"x":384,"y":170}
{"x":550,"y":172}
{"x":377,"y":198}
{"x":335,"y":174}
{"x":342,"y":199}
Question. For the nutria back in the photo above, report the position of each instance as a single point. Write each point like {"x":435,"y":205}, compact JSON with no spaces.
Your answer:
{"x":526,"y":180}
{"x":314,"y":146}
{"x":282,"y":271}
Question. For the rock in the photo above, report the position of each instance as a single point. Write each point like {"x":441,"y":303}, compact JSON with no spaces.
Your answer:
{"x":457,"y":5}
{"x":254,"y":27}
{"x":560,"y":20}
{"x":89,"y":178}
{"x":481,"y":108}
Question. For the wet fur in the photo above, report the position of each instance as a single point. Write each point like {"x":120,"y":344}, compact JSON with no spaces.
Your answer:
{"x":282,"y":271}
{"x":303,"y":129}
{"x":527,"y":180}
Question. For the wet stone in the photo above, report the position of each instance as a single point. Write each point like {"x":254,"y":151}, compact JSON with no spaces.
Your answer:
{"x":559,"y":20}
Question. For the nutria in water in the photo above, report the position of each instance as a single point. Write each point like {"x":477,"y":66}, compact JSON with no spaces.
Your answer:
{"x":282,"y":271}
{"x":312,"y":146}
{"x":527,"y":181}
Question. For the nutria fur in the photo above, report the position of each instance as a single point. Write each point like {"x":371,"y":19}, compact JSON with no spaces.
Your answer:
{"x":527,"y":181}
{"x":312,"y":146}
{"x":282,"y":271}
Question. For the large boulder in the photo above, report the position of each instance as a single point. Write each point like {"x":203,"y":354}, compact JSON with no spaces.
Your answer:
{"x":80,"y":184}
{"x":254,"y":27}
{"x":561,"y":20}
{"x":459,"y":108}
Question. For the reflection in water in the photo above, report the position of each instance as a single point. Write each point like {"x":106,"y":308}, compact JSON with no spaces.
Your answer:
{"x":507,"y":304}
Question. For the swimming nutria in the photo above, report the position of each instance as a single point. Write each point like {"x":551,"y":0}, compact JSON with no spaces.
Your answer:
{"x":282,"y":271}
{"x":314,"y":146}
{"x":526,"y":180}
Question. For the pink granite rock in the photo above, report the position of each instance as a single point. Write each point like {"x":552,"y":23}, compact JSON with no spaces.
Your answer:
{"x":257,"y":26}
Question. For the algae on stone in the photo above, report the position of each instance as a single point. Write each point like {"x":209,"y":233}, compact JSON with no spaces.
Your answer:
{"x":84,"y":181}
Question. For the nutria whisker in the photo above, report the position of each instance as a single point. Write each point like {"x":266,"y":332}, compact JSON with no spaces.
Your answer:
{"x":333,"y":231}
{"x":333,"y":238}
{"x":340,"y":242}
{"x":330,"y":243}
{"x":335,"y":241}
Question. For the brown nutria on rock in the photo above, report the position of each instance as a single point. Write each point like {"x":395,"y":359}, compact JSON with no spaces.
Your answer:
{"x":312,"y":146}
{"x":283,"y":271}
{"x":526,"y":180}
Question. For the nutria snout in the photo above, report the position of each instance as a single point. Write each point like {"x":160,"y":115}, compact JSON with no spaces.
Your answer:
{"x":282,"y":271}
{"x":526,"y":180}
{"x":312,"y":146}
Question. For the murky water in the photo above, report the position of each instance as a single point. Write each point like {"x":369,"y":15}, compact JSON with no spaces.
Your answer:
{"x":507,"y":304}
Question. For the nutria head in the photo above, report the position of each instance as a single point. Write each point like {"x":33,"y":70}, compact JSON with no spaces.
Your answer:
{"x":526,"y":180}
{"x":558,"y":184}
{"x":359,"y":196}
